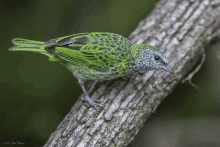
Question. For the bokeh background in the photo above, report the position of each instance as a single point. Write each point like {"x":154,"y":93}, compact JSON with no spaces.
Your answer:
{"x":37,"y":94}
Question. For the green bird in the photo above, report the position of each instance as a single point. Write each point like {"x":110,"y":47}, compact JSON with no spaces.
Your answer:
{"x":97,"y":56}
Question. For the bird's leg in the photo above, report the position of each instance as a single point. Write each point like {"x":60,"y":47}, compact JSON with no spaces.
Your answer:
{"x":86,"y":98}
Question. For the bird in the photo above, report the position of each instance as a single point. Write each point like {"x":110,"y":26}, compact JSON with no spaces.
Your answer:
{"x":97,"y":56}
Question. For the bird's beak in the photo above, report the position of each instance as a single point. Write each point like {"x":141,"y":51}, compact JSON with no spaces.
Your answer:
{"x":167,"y":68}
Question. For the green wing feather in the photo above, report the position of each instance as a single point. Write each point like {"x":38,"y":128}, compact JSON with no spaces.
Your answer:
{"x":105,"y":50}
{"x":98,"y":52}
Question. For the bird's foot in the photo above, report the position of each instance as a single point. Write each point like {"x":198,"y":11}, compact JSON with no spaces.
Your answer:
{"x":92,"y":102}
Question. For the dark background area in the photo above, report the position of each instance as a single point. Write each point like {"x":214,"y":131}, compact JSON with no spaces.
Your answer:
{"x":37,"y":94}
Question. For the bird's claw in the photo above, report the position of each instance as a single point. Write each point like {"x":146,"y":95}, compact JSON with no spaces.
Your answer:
{"x":93,"y":102}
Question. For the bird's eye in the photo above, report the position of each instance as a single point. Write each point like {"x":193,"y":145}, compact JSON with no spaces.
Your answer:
{"x":156,"y":57}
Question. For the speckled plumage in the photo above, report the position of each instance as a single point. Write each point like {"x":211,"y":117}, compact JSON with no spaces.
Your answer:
{"x":97,"y":56}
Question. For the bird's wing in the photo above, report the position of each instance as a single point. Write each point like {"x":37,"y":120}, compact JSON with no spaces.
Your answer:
{"x":99,"y":49}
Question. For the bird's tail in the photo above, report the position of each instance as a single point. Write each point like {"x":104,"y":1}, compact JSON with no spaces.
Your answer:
{"x":27,"y":45}
{"x":30,"y":45}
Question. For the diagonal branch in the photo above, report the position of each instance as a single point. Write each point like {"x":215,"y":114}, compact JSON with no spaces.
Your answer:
{"x":181,"y":29}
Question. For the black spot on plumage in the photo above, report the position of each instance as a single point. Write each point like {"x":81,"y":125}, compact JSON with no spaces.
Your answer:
{"x":112,"y":45}
{"x":133,"y":64}
{"x":74,"y":48}
{"x":119,"y":49}
{"x":107,"y":42}
{"x":50,"y":49}
{"x":87,"y":53}
{"x":100,"y":57}
{"x":102,"y":48}
{"x":81,"y":43}
{"x":116,"y":38}
{"x":95,"y":42}
{"x":132,"y":59}
{"x":100,"y":68}
{"x":71,"y":47}
{"x":82,"y":39}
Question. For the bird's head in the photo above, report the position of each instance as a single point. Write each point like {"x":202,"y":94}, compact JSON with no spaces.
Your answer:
{"x":149,"y":57}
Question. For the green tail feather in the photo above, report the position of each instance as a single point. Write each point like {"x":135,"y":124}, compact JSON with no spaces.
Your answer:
{"x":27,"y":45}
{"x":31,"y":45}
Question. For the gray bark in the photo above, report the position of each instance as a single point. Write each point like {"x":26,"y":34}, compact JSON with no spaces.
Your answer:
{"x":181,"y":29}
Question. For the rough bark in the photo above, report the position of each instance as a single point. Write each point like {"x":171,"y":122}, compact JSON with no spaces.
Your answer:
{"x":181,"y":29}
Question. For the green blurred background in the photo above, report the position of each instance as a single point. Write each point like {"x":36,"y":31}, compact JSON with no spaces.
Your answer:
{"x":37,"y":94}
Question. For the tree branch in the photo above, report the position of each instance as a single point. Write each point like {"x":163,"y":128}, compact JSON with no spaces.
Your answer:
{"x":181,"y":29}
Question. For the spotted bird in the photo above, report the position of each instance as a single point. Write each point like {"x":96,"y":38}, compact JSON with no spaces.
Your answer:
{"x":97,"y":56}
